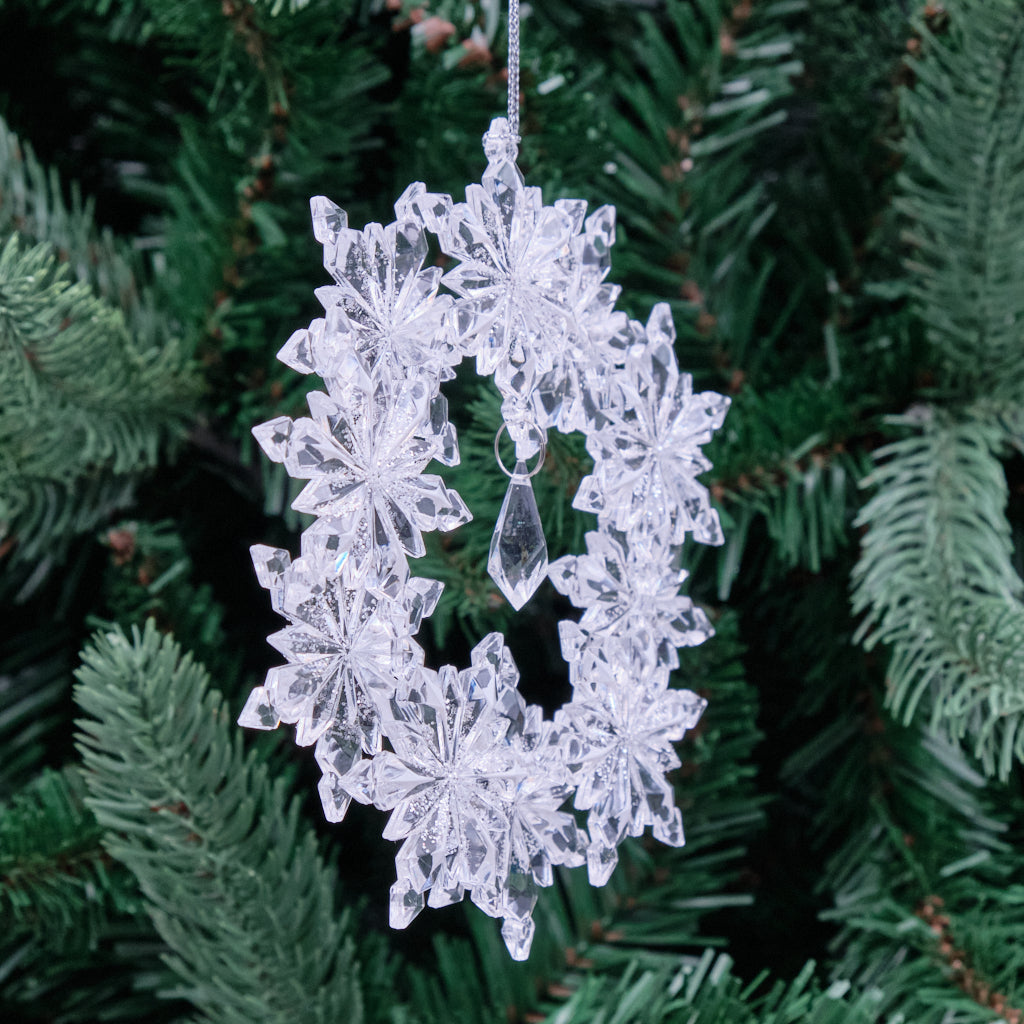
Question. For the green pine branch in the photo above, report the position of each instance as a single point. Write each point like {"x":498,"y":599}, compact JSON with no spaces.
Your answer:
{"x":117,"y":980}
{"x":86,"y":409}
{"x":925,"y":885}
{"x":937,"y":584}
{"x":234,"y":883}
{"x":962,"y":194}
{"x":935,"y":577}
{"x":57,"y":882}
{"x":704,"y":90}
{"x":33,"y":205}
{"x":705,"y":990}
{"x":150,"y":575}
{"x":902,"y":821}
{"x":788,"y":457}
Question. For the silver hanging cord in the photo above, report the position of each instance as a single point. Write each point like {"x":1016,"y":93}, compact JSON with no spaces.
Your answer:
{"x":513,"y":67}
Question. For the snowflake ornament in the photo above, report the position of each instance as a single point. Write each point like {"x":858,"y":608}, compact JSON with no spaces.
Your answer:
{"x":448,"y":781}
{"x":525,"y":281}
{"x":565,"y":395}
{"x":364,"y":459}
{"x":619,"y":728}
{"x":647,"y":445}
{"x":630,"y":591}
{"x":479,"y":787}
{"x":540,"y":834}
{"x":347,"y":636}
{"x":384,"y":307}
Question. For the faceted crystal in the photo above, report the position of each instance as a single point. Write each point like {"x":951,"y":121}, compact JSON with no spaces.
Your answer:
{"x":364,"y":456}
{"x":618,"y":734}
{"x":647,"y":446}
{"x":630,"y":591}
{"x":518,"y":559}
{"x":337,"y":751}
{"x":258,"y":712}
{"x":328,"y":220}
{"x":499,"y":142}
{"x":406,"y":902}
{"x":518,"y":936}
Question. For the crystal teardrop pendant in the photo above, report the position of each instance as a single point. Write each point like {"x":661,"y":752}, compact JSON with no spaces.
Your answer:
{"x":518,"y":558}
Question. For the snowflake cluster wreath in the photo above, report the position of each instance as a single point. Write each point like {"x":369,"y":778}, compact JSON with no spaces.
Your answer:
{"x":476,"y":779}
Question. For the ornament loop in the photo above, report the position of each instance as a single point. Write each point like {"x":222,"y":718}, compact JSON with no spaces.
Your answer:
{"x":497,"y":454}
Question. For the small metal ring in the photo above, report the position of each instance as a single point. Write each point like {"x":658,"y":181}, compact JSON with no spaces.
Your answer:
{"x":497,"y":454}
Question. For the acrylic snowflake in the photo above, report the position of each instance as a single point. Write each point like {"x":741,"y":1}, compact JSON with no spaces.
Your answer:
{"x":540,"y":834}
{"x":647,"y":445}
{"x":384,"y":307}
{"x":364,"y":459}
{"x":566,"y":395}
{"x":347,"y":636}
{"x":517,"y":291}
{"x":630,"y":591}
{"x":619,"y":728}
{"x":449,"y":781}
{"x":477,"y":783}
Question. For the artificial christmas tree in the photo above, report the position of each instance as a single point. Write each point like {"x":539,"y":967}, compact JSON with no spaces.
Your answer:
{"x":825,"y":193}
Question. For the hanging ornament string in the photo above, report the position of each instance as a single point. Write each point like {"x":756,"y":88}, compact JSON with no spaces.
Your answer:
{"x":513,"y":68}
{"x":476,"y":780}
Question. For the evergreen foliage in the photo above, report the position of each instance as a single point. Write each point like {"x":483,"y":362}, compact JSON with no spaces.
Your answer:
{"x":937,"y":578}
{"x":828,"y":194}
{"x":233,"y":883}
{"x":50,"y":848}
{"x":936,"y":574}
{"x":36,"y":676}
{"x":89,"y":407}
{"x":962,"y":194}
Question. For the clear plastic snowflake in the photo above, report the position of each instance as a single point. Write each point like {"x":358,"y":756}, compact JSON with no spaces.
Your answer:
{"x":449,"y":781}
{"x":516,"y":290}
{"x":347,"y":637}
{"x":565,"y":397}
{"x":618,"y":729}
{"x":477,"y":783}
{"x":647,"y":445}
{"x":385,"y":306}
{"x":364,"y":459}
{"x":540,"y":834}
{"x":630,"y":591}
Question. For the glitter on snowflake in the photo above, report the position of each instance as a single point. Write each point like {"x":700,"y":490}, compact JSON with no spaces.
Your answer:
{"x":345,"y":642}
{"x":630,"y":592}
{"x":647,"y":450}
{"x":618,"y":734}
{"x":566,"y":395}
{"x":449,"y":782}
{"x":385,"y":306}
{"x":364,"y":458}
